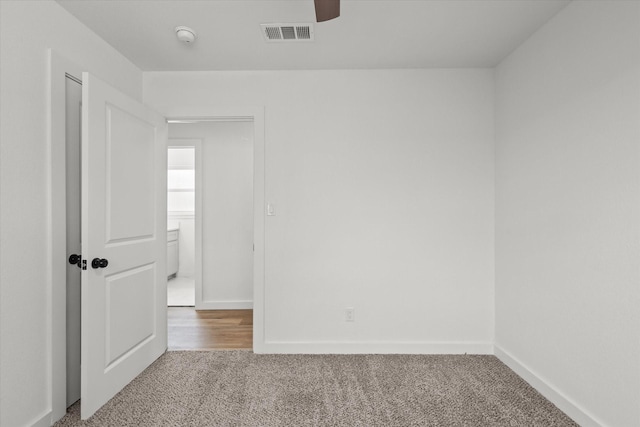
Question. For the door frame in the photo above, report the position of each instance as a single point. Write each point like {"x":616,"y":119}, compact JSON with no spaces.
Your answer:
{"x":55,"y":345}
{"x":256,"y":114}
{"x":56,"y":349}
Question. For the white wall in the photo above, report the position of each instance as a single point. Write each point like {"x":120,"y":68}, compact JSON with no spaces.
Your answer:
{"x":383,"y":182}
{"x":227,"y":211}
{"x":27,"y":29}
{"x":383,"y":185}
{"x":567,"y":210}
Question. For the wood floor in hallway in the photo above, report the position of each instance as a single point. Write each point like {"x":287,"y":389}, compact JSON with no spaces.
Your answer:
{"x":209,"y":329}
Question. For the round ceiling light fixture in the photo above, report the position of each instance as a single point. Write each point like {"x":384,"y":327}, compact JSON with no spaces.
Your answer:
{"x":185,"y":34}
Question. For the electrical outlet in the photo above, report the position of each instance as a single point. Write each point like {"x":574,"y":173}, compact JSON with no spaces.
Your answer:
{"x":350,"y":314}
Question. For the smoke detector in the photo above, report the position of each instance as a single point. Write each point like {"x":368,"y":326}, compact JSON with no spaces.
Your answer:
{"x":185,"y":34}
{"x":287,"y":32}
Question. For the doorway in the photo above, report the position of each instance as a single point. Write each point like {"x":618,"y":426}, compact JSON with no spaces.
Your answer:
{"x":219,"y":206}
{"x":210,"y":215}
{"x":57,"y":263}
{"x":181,"y":215}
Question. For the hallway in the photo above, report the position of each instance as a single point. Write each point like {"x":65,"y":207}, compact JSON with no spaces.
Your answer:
{"x":189,"y":329}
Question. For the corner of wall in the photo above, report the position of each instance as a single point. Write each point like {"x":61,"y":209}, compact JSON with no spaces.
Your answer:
{"x":545,"y":388}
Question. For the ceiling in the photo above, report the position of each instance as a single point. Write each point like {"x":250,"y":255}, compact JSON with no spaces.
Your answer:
{"x":368,"y":34}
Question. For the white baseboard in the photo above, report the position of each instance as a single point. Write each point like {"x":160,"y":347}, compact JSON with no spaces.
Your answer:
{"x":43,"y":421}
{"x":225,"y":305}
{"x":563,"y":402}
{"x":57,"y":413}
{"x":377,"y":347}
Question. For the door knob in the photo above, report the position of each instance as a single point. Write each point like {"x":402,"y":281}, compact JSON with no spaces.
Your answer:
{"x":76,"y":259}
{"x":99,"y":263}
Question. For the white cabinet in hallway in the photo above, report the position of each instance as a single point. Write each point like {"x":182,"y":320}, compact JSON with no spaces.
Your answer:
{"x":172,"y":252}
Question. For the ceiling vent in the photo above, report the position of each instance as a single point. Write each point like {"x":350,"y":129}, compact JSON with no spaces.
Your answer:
{"x":287,"y":32}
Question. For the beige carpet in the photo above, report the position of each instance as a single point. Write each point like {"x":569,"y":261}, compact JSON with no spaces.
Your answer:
{"x":239,"y":388}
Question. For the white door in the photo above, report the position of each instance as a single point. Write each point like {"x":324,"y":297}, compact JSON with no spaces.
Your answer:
{"x":124,"y":295}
